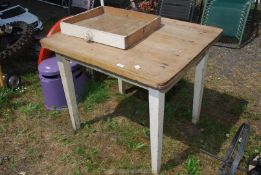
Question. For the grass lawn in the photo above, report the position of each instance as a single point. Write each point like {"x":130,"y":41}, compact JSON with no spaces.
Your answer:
{"x":115,"y":131}
{"x":114,"y":138}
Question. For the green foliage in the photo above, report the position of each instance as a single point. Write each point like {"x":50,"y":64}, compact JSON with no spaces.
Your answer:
{"x":77,"y":172}
{"x":130,"y":138}
{"x":80,"y":151}
{"x":5,"y":95}
{"x":54,"y":113}
{"x":192,"y":166}
{"x":65,"y":157}
{"x":63,"y":140}
{"x":109,"y":124}
{"x":30,"y":108}
{"x":2,"y":129}
{"x":89,"y":156}
{"x":97,"y":92}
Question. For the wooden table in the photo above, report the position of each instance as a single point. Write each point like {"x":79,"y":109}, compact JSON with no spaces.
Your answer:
{"x":157,"y":63}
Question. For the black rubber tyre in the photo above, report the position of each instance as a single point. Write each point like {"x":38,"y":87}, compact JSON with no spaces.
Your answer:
{"x":13,"y":81}
{"x":21,"y":44}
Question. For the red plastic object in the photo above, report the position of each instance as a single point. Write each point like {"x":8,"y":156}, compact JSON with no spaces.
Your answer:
{"x":45,"y":53}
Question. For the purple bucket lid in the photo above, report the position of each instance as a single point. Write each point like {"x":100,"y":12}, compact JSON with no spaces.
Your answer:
{"x":49,"y":67}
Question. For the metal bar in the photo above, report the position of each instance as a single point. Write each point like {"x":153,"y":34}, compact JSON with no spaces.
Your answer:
{"x":221,"y":160}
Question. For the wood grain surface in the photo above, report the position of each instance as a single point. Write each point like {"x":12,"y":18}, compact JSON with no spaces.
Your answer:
{"x":112,"y":24}
{"x":158,"y":61}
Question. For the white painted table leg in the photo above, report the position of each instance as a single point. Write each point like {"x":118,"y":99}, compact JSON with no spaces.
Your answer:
{"x":68,"y":86}
{"x":122,"y":86}
{"x":156,"y":105}
{"x":102,"y":2}
{"x":199,"y":87}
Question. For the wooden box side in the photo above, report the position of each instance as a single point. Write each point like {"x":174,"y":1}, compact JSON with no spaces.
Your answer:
{"x":85,"y":15}
{"x":93,"y":35}
{"x":142,"y":33}
{"x":129,"y":13}
{"x":69,"y":27}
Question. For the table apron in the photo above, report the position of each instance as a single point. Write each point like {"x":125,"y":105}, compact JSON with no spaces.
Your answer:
{"x":128,"y":80}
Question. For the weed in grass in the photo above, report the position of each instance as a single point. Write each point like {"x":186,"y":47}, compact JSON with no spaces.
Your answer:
{"x":111,"y":82}
{"x":253,"y":116}
{"x":120,"y":97}
{"x":88,"y":156}
{"x":253,"y":146}
{"x":191,"y":166}
{"x":134,"y":145}
{"x":90,"y":153}
{"x":110,"y":124}
{"x":49,"y":169}
{"x":127,"y":167}
{"x":88,"y":129}
{"x":34,"y":153}
{"x":5,"y":95}
{"x":77,"y":172}
{"x":97,"y":92}
{"x":54,"y":113}
{"x":65,"y":157}
{"x":11,"y":166}
{"x":169,"y":165}
{"x":89,"y":166}
{"x":21,"y":131}
{"x":146,"y":132}
{"x":129,"y":138}
{"x":30,"y":108}
{"x":2,"y":129}
{"x":63,"y":140}
{"x":80,"y":151}
{"x":138,"y":146}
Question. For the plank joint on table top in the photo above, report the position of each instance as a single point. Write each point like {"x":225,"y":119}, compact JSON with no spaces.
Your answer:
{"x":157,"y":62}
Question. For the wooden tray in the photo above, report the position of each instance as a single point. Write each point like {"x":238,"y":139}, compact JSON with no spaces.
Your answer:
{"x":111,"y":26}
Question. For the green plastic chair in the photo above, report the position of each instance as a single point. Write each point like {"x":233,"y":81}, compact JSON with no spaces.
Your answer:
{"x":230,"y":15}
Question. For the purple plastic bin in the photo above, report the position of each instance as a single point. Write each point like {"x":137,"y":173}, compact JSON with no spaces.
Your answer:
{"x":52,"y":88}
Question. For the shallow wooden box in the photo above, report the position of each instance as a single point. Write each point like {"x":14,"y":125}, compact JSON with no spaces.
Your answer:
{"x":111,"y":26}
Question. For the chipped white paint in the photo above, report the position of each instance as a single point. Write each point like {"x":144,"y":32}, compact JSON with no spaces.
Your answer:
{"x":199,"y":88}
{"x":156,"y":105}
{"x":137,"y":66}
{"x":102,"y":2}
{"x":120,"y":65}
{"x":122,"y":86}
{"x":68,"y":86}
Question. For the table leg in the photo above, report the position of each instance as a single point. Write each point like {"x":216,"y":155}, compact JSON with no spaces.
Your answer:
{"x":199,"y":87}
{"x":122,"y":86}
{"x":156,"y":105}
{"x":2,"y":82}
{"x":102,"y":2}
{"x":68,"y":86}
